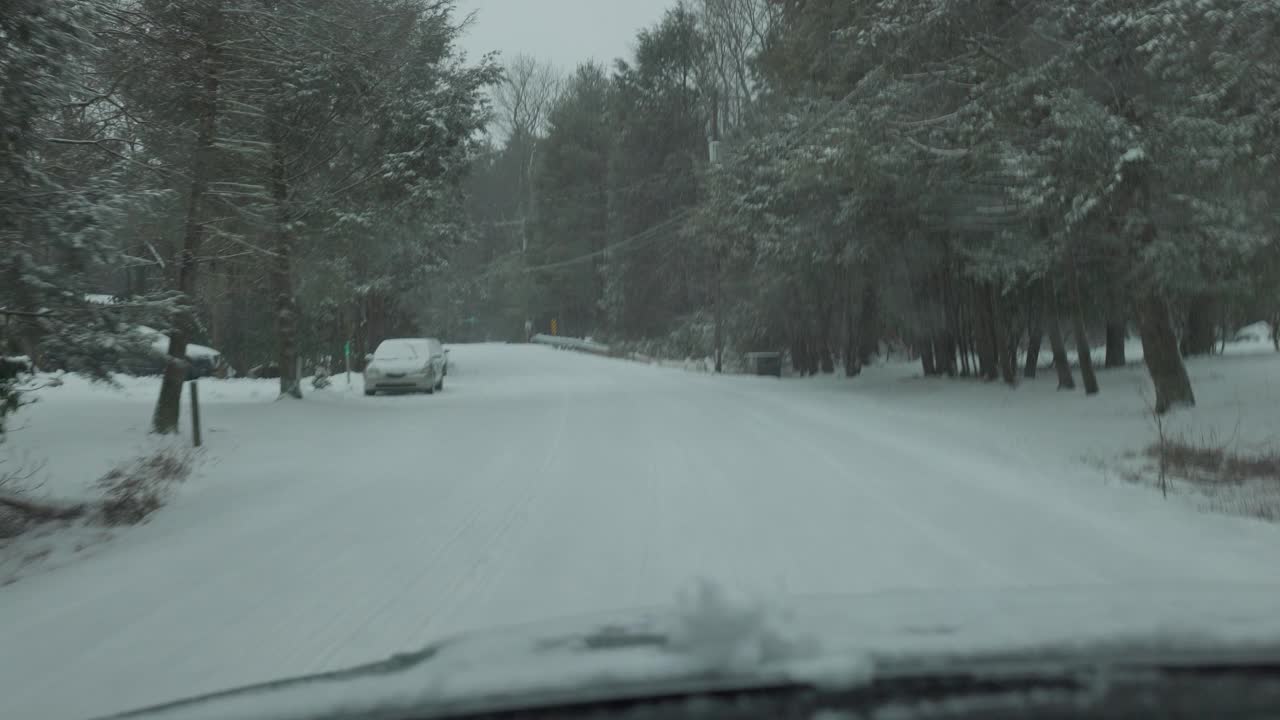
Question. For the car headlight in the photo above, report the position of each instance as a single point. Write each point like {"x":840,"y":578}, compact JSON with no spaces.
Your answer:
{"x":371,"y":370}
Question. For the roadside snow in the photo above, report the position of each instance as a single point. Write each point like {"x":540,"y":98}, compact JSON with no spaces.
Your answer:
{"x":1259,"y":332}
{"x":1101,"y":437}
{"x":544,"y":484}
{"x":77,"y":430}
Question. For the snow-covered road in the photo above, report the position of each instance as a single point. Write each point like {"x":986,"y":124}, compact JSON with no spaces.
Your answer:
{"x":543,"y":484}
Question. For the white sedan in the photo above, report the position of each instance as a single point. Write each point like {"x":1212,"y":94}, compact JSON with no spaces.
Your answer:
{"x":404,"y":365}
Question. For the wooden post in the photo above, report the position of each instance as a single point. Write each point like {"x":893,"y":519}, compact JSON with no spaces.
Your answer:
{"x":719,"y":312}
{"x":713,"y":151}
{"x":195,"y":413}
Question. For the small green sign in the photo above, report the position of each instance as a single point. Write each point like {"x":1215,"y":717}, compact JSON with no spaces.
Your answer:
{"x":346,"y":348}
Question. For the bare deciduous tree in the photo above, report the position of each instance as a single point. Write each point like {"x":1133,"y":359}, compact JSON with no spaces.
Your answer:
{"x":524,"y":98}
{"x":736,"y":31}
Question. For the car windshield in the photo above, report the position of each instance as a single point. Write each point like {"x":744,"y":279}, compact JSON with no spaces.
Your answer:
{"x":600,"y":338}
{"x":397,"y":350}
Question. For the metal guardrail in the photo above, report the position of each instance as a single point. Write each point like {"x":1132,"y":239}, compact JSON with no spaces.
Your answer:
{"x":569,"y":343}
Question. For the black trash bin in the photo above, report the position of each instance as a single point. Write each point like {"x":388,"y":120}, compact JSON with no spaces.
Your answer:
{"x":765,"y":363}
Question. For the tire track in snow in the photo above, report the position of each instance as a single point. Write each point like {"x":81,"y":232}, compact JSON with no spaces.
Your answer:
{"x":464,"y":567}
{"x":518,"y":512}
{"x":866,"y":514}
{"x":435,"y":584}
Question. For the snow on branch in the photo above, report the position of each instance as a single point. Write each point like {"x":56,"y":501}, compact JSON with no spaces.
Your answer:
{"x":949,"y":153}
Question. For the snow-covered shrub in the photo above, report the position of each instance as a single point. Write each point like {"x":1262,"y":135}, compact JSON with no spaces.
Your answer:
{"x":10,"y":395}
{"x":12,"y":522}
{"x":137,"y":488}
{"x":322,"y":379}
{"x":19,"y":509}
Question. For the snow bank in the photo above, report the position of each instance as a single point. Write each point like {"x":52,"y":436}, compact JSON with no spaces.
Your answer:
{"x":76,"y":429}
{"x":1259,"y":332}
{"x":1102,"y":437}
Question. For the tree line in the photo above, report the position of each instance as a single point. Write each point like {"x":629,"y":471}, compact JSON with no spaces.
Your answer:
{"x":275,"y":178}
{"x":968,"y":179}
{"x":980,"y":182}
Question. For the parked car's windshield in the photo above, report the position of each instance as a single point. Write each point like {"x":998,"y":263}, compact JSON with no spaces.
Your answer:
{"x":398,"y":350}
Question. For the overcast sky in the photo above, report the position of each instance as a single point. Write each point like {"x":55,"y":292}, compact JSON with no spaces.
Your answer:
{"x":565,"y":32}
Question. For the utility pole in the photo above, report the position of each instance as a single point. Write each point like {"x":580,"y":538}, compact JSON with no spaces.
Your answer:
{"x":717,"y":305}
{"x":526,"y":210}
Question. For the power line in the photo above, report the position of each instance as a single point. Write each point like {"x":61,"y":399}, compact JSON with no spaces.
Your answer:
{"x":635,"y":241}
{"x":542,"y":199}
{"x":638,"y":239}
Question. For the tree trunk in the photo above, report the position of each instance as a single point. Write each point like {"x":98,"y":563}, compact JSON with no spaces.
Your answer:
{"x":1160,"y":353}
{"x":944,"y":351}
{"x":1159,"y":342}
{"x":1224,"y":326}
{"x":988,"y":346}
{"x":1009,"y":366}
{"x":926,"y":357}
{"x":852,"y":367}
{"x":1035,"y":334}
{"x":1060,"y":362}
{"x":964,"y":338}
{"x":800,"y":355}
{"x":286,"y":306}
{"x":168,"y":405}
{"x":1115,"y":343}
{"x":868,"y":320}
{"x":1006,"y":346}
{"x":1199,"y":338}
{"x":719,"y":317}
{"x":811,"y":353}
{"x":949,"y":345}
{"x":826,"y":327}
{"x":852,"y":362}
{"x":1084,"y":353}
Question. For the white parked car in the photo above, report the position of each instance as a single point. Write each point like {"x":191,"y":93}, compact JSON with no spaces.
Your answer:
{"x":438,"y":348}
{"x":405,"y":365}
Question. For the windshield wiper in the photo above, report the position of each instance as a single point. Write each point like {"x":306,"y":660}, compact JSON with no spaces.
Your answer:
{"x":399,"y":662}
{"x":1035,"y":690}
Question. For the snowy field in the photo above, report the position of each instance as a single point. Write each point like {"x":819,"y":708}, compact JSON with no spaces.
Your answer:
{"x":545,"y":484}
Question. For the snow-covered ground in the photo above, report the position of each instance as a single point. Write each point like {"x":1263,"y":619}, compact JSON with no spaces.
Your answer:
{"x":544,"y":484}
